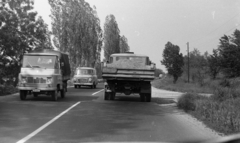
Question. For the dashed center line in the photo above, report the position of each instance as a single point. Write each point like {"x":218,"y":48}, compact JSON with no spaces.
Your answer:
{"x":47,"y":124}
{"x":97,"y":92}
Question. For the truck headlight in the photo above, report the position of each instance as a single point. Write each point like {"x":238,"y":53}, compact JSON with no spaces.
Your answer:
{"x":23,"y":79}
{"x":49,"y":80}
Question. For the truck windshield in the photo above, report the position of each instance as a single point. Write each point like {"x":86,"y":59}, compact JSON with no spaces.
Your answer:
{"x":135,"y":59}
{"x":38,"y":61}
{"x":84,"y":72}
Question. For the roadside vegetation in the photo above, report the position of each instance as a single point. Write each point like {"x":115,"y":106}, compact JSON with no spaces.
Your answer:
{"x":217,"y":73}
{"x":75,"y":30}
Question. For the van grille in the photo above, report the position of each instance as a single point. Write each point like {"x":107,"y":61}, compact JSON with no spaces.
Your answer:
{"x":36,"y":80}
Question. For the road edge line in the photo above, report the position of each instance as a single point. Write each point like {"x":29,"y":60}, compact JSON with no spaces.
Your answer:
{"x":23,"y":140}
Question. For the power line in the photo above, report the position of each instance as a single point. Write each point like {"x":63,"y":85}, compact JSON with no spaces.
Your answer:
{"x":216,"y":28}
{"x":224,"y":33}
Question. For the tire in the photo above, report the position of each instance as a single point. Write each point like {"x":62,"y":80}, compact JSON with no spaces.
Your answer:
{"x":142,"y":97}
{"x":63,"y":92}
{"x":112,"y":95}
{"x":55,"y":95}
{"x":23,"y":94}
{"x":35,"y":95}
{"x":75,"y":86}
{"x":148,"y":97}
{"x":79,"y":86}
{"x":106,"y":96}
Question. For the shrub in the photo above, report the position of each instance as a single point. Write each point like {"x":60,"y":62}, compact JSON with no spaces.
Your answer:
{"x":187,"y":101}
{"x":7,"y":89}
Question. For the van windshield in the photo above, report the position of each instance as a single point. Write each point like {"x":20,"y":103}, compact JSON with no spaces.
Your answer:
{"x":84,"y":72}
{"x":38,"y":61}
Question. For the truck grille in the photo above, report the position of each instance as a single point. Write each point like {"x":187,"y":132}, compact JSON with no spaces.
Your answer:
{"x":36,"y":80}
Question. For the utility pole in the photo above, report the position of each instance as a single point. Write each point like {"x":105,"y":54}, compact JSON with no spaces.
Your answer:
{"x":188,"y":60}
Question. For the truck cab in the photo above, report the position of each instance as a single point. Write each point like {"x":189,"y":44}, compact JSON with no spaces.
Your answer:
{"x":44,"y":71}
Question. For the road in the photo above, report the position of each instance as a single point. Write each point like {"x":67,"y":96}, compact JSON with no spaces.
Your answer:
{"x":84,"y":116}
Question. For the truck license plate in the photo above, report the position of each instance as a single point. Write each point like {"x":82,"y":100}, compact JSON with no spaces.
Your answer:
{"x":36,"y":90}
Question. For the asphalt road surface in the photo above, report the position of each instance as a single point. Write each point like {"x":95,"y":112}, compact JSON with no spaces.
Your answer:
{"x":84,"y":116}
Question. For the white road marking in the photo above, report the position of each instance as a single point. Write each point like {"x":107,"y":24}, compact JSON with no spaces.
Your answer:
{"x":45,"y":125}
{"x":97,"y":92}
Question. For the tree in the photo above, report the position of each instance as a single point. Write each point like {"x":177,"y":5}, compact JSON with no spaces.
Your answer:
{"x":198,"y":66}
{"x":173,"y":60}
{"x":124,"y":44}
{"x":76,"y":30}
{"x":214,"y":61}
{"x":111,"y":36}
{"x":229,"y":51}
{"x":20,"y":33}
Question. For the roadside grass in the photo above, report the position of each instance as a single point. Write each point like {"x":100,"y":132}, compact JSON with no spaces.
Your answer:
{"x":182,"y":86}
{"x":219,"y":111}
{"x":7,"y":89}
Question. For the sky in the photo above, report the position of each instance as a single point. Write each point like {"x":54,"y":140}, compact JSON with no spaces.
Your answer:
{"x":150,"y":24}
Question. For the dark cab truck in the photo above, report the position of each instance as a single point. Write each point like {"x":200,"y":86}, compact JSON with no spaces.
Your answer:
{"x":44,"y":71}
{"x":128,"y":73}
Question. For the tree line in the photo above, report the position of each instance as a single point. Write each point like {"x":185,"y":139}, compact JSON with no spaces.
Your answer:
{"x":223,"y":62}
{"x":75,"y":30}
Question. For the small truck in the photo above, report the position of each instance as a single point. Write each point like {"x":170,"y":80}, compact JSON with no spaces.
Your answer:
{"x":44,"y":71}
{"x":128,"y":73}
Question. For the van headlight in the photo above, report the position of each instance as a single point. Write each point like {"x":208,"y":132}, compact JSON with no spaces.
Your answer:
{"x":49,"y":80}
{"x":90,"y":79}
{"x":23,"y":79}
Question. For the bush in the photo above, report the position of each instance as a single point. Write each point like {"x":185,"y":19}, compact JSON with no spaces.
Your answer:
{"x":7,"y":89}
{"x":187,"y":101}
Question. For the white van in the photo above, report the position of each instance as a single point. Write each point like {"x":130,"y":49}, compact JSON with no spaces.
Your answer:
{"x":85,"y":76}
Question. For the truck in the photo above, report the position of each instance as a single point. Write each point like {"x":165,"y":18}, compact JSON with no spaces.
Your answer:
{"x":128,"y":73}
{"x":44,"y":71}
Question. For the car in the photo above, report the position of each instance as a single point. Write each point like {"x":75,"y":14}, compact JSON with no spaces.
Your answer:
{"x":85,"y":76}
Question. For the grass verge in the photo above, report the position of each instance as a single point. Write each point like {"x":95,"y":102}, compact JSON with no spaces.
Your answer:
{"x":222,"y":116}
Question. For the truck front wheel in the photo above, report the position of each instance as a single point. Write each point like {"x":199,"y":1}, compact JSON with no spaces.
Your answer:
{"x":23,"y":94}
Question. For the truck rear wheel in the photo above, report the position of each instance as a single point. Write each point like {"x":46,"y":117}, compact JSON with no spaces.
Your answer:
{"x":148,"y":97}
{"x":106,"y":96}
{"x":54,"y":95}
{"x":35,"y":95}
{"x":142,"y":97}
{"x":23,"y":94}
{"x":112,"y":95}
